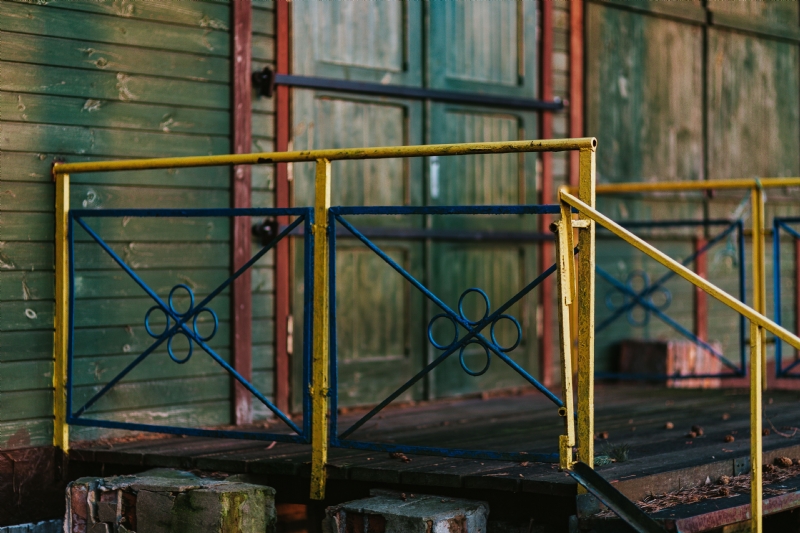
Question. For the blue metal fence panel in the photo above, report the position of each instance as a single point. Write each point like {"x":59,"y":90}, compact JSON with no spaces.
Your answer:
{"x":643,"y":299}
{"x":186,"y":323}
{"x":782,"y":224}
{"x":473,"y":329}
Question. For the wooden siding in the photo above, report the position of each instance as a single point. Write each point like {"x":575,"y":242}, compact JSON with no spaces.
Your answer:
{"x":678,"y":91}
{"x":86,"y":80}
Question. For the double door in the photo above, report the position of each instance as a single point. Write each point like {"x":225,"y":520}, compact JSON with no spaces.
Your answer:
{"x":382,"y":321}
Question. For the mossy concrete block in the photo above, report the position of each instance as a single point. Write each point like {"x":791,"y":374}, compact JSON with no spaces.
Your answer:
{"x":167,"y":501}
{"x":392,"y":512}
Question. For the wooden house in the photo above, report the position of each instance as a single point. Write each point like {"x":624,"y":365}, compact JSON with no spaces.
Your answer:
{"x":688,"y":90}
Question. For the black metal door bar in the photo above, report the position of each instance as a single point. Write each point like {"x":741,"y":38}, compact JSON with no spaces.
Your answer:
{"x":614,"y":499}
{"x":266,"y":80}
{"x":441,"y":234}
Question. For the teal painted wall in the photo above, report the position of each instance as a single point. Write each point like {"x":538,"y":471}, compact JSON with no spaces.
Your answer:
{"x":92,"y":80}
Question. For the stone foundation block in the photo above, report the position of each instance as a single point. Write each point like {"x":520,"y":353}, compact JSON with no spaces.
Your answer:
{"x":394,"y":512}
{"x":167,"y":501}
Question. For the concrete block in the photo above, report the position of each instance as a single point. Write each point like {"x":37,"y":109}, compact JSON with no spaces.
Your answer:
{"x":165,"y":501}
{"x":392,"y":512}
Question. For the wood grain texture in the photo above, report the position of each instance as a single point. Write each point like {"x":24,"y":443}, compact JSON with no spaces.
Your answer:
{"x":241,"y":302}
{"x":282,"y":259}
{"x":643,"y":79}
{"x":751,"y":96}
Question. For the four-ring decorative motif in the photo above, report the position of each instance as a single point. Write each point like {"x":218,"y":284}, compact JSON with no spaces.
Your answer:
{"x":641,"y":296}
{"x":474,"y":327}
{"x":190,"y":314}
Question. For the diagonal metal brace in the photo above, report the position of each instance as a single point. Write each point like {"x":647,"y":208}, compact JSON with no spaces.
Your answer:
{"x":614,"y":499}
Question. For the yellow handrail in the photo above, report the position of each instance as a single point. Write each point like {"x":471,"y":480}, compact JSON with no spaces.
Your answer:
{"x":704,"y":185}
{"x":759,"y":324}
{"x":323,"y":185}
{"x":338,"y":154}
{"x":681,"y":270}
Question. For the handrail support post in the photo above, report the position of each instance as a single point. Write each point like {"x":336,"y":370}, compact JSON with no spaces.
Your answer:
{"x":60,"y":364}
{"x":321,"y":335}
{"x":585,"y":301}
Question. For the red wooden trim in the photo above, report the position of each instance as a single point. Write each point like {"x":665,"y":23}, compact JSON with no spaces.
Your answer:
{"x":575,"y":82}
{"x":241,"y":298}
{"x":700,"y":297}
{"x":282,"y":263}
{"x":797,"y":289}
{"x":546,"y":252}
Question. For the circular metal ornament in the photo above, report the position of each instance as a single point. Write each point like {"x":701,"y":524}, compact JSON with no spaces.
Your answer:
{"x":216,"y":324}
{"x":519,"y":333}
{"x":172,"y":354}
{"x":191,"y":296}
{"x":147,"y":322}
{"x":461,"y":305}
{"x":466,"y":368}
{"x":430,"y":332}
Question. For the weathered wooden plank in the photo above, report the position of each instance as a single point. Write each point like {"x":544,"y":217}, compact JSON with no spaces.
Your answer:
{"x":53,"y":51}
{"x":35,"y":167}
{"x":67,"y":23}
{"x":644,"y":71}
{"x":779,"y":14}
{"x":60,"y":81}
{"x":26,"y":315}
{"x":167,"y":393}
{"x":24,"y":226}
{"x":22,"y":196}
{"x":33,"y":315}
{"x":199,"y":414}
{"x":26,"y":286}
{"x":72,"y":111}
{"x":21,"y":137}
{"x":26,"y":256}
{"x":25,"y":345}
{"x":263,"y":20}
{"x":263,"y":198}
{"x":263,"y":47}
{"x":27,"y":375}
{"x":263,"y":177}
{"x":263,"y":125}
{"x":198,"y":14}
{"x":26,"y":433}
{"x":158,"y":366}
{"x":21,"y":226}
{"x":24,"y":405}
{"x":153,"y":255}
{"x":750,"y":98}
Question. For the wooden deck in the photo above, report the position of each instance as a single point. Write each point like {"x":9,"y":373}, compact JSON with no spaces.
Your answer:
{"x":660,"y":459}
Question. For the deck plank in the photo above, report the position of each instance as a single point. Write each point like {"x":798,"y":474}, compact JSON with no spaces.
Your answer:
{"x":633,"y":415}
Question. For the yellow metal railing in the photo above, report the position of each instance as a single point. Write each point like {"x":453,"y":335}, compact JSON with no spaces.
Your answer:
{"x":756,"y":187}
{"x":320,"y":349}
{"x":759,"y":324}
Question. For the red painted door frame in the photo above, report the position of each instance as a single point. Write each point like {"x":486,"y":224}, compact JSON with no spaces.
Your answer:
{"x":241,"y":297}
{"x":282,"y":199}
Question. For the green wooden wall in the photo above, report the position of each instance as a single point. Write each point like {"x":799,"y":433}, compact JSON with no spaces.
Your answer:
{"x":89,"y":80}
{"x":691,"y":91}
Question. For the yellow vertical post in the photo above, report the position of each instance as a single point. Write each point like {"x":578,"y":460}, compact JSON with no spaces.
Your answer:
{"x":566,"y":295}
{"x":60,"y":427}
{"x":756,"y":352}
{"x":759,"y":268}
{"x":319,"y":359}
{"x":585,"y":283}
{"x":758,"y":360}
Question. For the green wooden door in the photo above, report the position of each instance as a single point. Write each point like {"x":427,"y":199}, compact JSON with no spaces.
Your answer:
{"x":490,"y":48}
{"x":379,"y":315}
{"x":381,"y":319}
